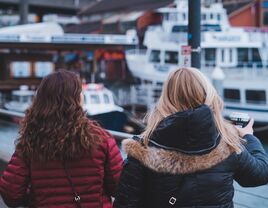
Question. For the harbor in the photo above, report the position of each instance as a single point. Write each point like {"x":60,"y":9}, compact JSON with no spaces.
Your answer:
{"x":123,"y":54}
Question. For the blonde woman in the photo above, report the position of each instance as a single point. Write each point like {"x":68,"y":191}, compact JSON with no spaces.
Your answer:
{"x":189,"y":155}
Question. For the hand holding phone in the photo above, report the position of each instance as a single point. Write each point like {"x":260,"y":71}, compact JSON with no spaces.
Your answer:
{"x":239,"y":119}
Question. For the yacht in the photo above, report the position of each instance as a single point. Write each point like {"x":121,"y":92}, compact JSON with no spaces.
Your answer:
{"x":21,"y":99}
{"x":241,"y":54}
{"x":100,"y":106}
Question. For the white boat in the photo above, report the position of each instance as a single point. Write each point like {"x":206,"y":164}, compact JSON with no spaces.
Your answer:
{"x":21,"y":99}
{"x":100,"y":106}
{"x":241,"y":53}
{"x":98,"y":100}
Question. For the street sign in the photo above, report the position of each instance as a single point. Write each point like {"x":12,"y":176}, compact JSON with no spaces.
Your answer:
{"x":186,"y":56}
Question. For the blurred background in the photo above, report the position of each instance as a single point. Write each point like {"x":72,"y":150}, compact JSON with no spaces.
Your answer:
{"x":123,"y":52}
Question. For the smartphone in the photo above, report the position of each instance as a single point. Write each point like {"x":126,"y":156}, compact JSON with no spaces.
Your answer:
{"x":239,"y":119}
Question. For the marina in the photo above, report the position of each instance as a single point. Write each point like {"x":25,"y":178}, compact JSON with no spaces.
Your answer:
{"x":123,"y":57}
{"x":239,"y":53}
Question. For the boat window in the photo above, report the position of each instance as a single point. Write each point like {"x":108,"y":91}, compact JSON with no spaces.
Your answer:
{"x":155,"y":56}
{"x":173,"y":17}
{"x":231,"y":55}
{"x":242,"y":55}
{"x":165,"y":16}
{"x":232,"y":95}
{"x":106,"y":99}
{"x":256,"y":55}
{"x":15,"y":98}
{"x":256,"y":96}
{"x":85,"y":99}
{"x":211,"y":16}
{"x":210,"y":27}
{"x":219,"y":17}
{"x":248,"y":57}
{"x":210,"y":56}
{"x":203,"y":16}
{"x":171,"y":57}
{"x":184,"y":16}
{"x":25,"y":99}
{"x":179,"y":28}
{"x":222,"y":55}
{"x":94,"y":99}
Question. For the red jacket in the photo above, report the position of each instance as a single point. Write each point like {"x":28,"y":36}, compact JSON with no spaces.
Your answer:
{"x":95,"y":179}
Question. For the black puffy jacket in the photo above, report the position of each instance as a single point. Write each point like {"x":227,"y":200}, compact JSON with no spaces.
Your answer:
{"x":188,"y":165}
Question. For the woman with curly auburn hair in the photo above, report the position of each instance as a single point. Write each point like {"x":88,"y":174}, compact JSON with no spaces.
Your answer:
{"x":62,"y":159}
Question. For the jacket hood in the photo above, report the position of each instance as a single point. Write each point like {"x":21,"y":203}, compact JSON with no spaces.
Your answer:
{"x":191,"y":132}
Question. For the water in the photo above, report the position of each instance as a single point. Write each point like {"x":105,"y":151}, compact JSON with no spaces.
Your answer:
{"x":244,"y":197}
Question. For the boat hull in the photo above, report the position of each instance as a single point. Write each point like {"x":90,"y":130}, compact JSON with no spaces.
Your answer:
{"x":114,"y":120}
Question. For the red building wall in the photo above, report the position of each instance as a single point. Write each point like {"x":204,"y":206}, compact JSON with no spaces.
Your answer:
{"x":246,"y":17}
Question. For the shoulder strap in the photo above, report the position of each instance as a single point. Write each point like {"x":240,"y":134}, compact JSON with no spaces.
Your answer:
{"x":77,"y":198}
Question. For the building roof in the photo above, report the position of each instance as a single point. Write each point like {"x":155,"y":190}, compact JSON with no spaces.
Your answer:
{"x":103,"y":6}
{"x":232,"y":6}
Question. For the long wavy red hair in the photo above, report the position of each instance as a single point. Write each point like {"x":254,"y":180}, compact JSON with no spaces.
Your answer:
{"x":55,"y":126}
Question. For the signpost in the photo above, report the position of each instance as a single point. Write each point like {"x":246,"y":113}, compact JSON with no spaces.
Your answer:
{"x":186,"y":56}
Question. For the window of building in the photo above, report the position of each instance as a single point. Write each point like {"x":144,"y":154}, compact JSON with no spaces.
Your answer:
{"x":265,"y":18}
{"x":256,"y":96}
{"x":155,"y":56}
{"x":171,"y":57}
{"x":232,"y":95}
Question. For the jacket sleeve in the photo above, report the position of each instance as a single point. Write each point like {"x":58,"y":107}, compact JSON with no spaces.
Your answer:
{"x":131,"y":186}
{"x":15,"y":181}
{"x":113,"y":166}
{"x":252,"y":167}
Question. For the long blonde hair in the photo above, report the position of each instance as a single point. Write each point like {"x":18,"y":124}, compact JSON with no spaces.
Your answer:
{"x":188,"y":88}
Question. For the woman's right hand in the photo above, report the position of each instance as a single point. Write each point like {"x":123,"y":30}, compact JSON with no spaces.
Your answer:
{"x":248,"y":129}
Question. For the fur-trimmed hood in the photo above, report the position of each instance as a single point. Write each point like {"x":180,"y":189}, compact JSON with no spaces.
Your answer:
{"x":192,"y":131}
{"x":174,"y":162}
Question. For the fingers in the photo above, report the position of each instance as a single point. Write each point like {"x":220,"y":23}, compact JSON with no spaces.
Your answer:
{"x":251,"y":122}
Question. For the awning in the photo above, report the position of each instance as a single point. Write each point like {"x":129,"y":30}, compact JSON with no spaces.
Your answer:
{"x":123,"y":5}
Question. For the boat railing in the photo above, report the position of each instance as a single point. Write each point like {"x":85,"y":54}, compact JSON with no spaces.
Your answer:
{"x":245,"y":70}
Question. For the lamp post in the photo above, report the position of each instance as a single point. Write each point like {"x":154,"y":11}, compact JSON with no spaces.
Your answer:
{"x":24,"y":10}
{"x":194,"y":7}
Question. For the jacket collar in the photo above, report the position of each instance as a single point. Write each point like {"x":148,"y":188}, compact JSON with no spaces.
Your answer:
{"x":173,"y":162}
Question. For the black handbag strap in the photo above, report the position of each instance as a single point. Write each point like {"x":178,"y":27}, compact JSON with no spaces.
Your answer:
{"x":77,"y":198}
